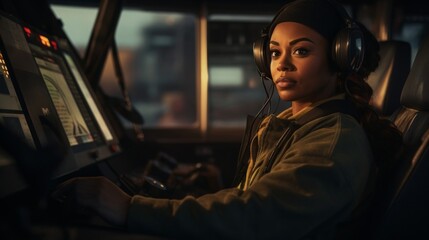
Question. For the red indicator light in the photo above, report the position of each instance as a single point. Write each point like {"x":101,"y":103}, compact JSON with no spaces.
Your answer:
{"x":27,"y":31}
{"x":54,"y":45}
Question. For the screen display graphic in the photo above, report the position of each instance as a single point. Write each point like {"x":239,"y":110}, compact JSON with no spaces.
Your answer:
{"x":87,"y":96}
{"x":71,"y":118}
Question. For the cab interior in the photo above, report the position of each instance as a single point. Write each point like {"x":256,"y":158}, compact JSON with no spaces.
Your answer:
{"x":161,"y":93}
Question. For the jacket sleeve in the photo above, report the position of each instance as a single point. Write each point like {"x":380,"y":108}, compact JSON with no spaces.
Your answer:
{"x":306,"y":193}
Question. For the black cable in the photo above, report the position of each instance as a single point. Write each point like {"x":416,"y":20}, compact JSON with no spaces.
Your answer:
{"x":269,"y":95}
{"x":277,"y":104}
{"x":241,"y":166}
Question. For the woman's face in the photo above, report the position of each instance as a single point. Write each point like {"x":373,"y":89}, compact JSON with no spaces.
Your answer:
{"x":299,"y":64}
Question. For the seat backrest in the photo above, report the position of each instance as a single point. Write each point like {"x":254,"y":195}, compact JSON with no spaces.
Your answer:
{"x":407,"y":212}
{"x":388,"y":79}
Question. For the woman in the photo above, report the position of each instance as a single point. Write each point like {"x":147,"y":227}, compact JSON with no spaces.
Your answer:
{"x":306,"y":185}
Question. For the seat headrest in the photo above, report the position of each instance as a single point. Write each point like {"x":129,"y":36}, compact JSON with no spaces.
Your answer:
{"x":415,"y":94}
{"x":388,"y":79}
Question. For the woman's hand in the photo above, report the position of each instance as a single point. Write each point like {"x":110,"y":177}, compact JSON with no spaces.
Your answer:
{"x":98,"y":194}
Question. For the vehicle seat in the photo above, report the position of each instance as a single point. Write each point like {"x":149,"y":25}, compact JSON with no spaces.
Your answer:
{"x":388,"y":79}
{"x":407,"y":211}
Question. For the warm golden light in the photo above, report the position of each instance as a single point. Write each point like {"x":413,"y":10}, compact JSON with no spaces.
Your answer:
{"x":45,"y":41}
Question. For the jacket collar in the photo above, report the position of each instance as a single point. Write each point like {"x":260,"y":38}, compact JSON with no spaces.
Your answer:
{"x":287,"y":114}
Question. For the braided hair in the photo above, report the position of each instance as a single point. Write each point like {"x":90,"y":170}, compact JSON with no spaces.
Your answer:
{"x":383,"y":135}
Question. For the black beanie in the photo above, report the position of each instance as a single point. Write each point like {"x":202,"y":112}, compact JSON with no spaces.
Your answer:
{"x":322,"y":16}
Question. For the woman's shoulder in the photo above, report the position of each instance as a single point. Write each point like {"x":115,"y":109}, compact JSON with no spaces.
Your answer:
{"x":333,"y":122}
{"x":340,"y":139}
{"x":334,"y":132}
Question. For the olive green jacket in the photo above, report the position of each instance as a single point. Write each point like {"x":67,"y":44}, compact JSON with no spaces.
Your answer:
{"x":316,"y":181}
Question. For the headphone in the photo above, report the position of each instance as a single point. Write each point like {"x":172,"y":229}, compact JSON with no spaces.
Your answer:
{"x":348,"y":46}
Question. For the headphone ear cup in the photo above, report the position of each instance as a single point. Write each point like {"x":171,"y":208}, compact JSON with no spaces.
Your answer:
{"x":261,"y":56}
{"x":348,"y":49}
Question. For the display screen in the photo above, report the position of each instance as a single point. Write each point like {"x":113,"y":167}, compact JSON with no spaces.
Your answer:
{"x":88,"y":97}
{"x":78,"y":113}
{"x":47,"y":101}
{"x":70,"y":115}
{"x":53,"y":70}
